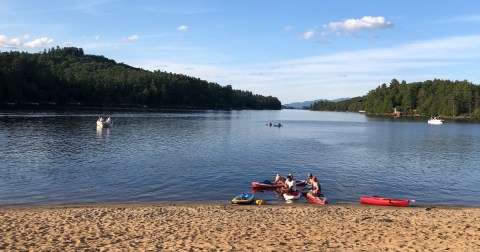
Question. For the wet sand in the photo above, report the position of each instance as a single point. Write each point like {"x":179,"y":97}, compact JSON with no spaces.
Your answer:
{"x":224,"y":227}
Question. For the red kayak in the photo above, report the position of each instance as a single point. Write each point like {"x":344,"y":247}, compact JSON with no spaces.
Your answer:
{"x":270,"y":185}
{"x":319,"y":198}
{"x":377,"y":200}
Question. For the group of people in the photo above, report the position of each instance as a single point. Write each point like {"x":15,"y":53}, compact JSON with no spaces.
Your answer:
{"x":290,"y":185}
{"x":275,"y":125}
{"x":102,"y":119}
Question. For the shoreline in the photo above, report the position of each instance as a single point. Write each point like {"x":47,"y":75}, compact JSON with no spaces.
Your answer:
{"x":219,"y":203}
{"x":227,"y":227}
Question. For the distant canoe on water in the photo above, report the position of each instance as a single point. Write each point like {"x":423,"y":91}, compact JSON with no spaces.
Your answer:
{"x":274,"y":125}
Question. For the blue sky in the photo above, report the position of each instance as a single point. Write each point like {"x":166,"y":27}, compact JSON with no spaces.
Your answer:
{"x":294,"y":50}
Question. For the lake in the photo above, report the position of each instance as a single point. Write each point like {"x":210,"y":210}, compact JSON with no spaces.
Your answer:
{"x":212,"y":156}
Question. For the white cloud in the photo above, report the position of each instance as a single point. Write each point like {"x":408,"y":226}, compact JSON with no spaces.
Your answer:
{"x":6,"y":42}
{"x":308,"y":35}
{"x":464,"y":18}
{"x":355,"y":25}
{"x":97,"y":37}
{"x":350,"y":73}
{"x":287,"y":28}
{"x":40,"y":42}
{"x":134,"y":37}
{"x":92,"y":6}
{"x":183,"y":28}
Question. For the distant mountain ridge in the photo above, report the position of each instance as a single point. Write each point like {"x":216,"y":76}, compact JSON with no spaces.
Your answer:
{"x":299,"y":105}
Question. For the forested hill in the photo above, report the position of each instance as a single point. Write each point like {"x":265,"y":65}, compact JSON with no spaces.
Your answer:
{"x":67,"y":76}
{"x":429,"y":98}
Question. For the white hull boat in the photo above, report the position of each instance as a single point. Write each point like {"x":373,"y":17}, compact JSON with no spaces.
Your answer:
{"x":435,"y":121}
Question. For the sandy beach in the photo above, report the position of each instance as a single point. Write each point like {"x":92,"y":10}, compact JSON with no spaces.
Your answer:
{"x":224,"y":227}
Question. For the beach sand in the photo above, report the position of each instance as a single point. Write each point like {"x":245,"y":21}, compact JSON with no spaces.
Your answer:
{"x":224,"y":227}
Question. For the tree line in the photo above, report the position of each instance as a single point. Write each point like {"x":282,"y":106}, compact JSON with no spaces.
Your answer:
{"x":66,"y":75}
{"x":429,"y":98}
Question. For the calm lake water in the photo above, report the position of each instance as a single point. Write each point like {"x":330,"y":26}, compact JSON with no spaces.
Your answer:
{"x":211,"y":156}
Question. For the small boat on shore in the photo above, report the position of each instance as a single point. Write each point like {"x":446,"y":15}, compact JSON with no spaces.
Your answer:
{"x":377,"y":200}
{"x":319,"y":198}
{"x":243,"y":199}
{"x":265,"y":185}
{"x":292,"y":195}
{"x":435,"y":121}
{"x":102,"y":123}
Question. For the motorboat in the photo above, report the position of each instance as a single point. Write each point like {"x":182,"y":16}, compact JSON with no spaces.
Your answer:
{"x":435,"y":120}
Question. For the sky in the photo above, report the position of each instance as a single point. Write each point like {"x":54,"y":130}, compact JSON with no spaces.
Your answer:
{"x":293,"y":50}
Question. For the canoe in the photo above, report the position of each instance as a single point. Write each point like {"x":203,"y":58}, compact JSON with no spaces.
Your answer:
{"x":244,"y":198}
{"x":377,"y":200}
{"x":269,"y":185}
{"x":292,"y":195}
{"x":319,"y":198}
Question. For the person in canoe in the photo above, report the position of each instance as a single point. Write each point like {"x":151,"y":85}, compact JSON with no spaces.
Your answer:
{"x":279,"y":179}
{"x":290,"y":185}
{"x":316,"y":188}
{"x":309,"y":179}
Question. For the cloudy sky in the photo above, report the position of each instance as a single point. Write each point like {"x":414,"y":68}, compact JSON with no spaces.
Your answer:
{"x":294,"y":50}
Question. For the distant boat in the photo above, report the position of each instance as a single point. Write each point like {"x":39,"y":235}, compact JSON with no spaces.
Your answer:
{"x":102,"y":123}
{"x":435,"y":120}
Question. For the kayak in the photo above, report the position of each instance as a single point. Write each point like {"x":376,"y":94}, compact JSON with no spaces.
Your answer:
{"x":305,"y":189}
{"x":319,"y":198}
{"x":292,"y":195}
{"x":271,"y":185}
{"x":377,"y":200}
{"x":244,"y":198}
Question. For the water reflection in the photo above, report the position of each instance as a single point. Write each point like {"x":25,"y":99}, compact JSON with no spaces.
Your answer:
{"x":101,"y":131}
